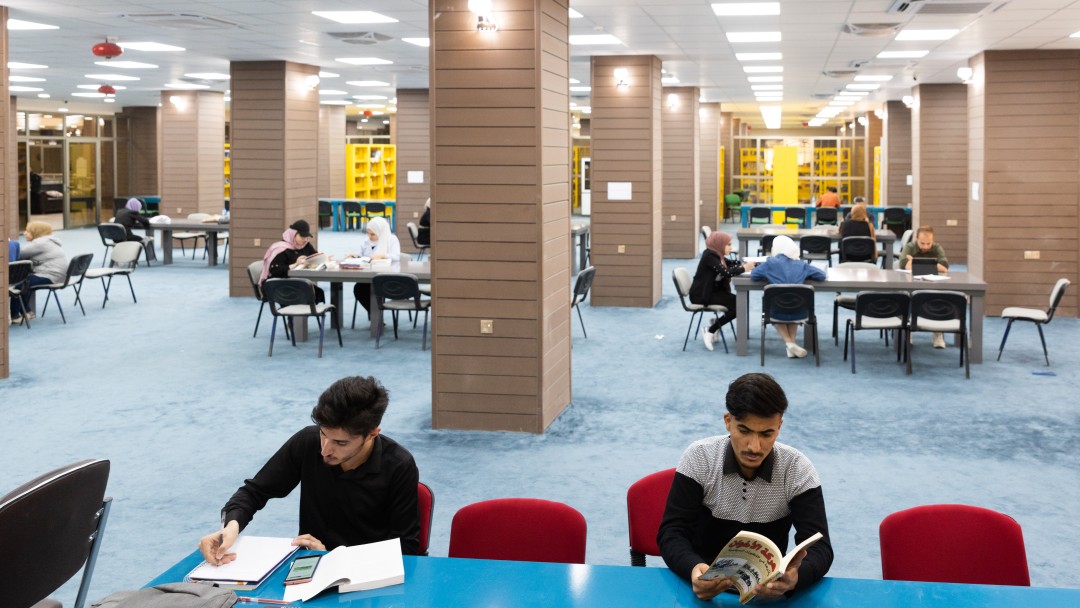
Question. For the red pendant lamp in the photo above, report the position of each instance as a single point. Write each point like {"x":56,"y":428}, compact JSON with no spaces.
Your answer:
{"x":107,"y":89}
{"x":107,"y":49}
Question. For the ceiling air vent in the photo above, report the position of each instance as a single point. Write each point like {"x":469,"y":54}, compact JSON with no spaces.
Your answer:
{"x":180,"y":21}
{"x":365,"y":38}
{"x":871,"y":30}
{"x":840,"y":73}
{"x":937,"y":7}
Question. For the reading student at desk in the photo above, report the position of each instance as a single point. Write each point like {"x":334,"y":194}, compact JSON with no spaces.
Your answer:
{"x":745,"y":480}
{"x":357,"y":485}
{"x":380,"y":244}
{"x":291,"y":251}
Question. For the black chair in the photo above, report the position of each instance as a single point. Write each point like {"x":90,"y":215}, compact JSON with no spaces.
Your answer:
{"x":858,"y":249}
{"x":844,"y":300}
{"x":941,"y":311}
{"x":291,"y":298}
{"x":581,"y":291}
{"x":353,"y":212}
{"x":895,"y":219}
{"x":18,"y":274}
{"x":790,"y":300}
{"x":326,"y":212}
{"x":414,"y":234}
{"x":765,"y":245}
{"x":826,"y":216}
{"x":50,"y":528}
{"x":683,"y":281}
{"x":111,"y":234}
{"x":881,"y":310}
{"x":124,"y":259}
{"x":816,"y":247}
{"x":76,"y":272}
{"x":1034,"y":315}
{"x":397,"y":292}
{"x":254,"y":271}
{"x":760,"y":215}
{"x":373,"y":210}
{"x":795,"y":215}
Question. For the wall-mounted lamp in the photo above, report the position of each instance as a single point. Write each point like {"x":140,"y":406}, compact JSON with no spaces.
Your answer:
{"x":622,"y":79}
{"x":673,"y":101}
{"x":964,"y":74}
{"x":880,"y":113}
{"x":312,"y":82}
{"x":485,"y":18}
{"x":908,"y":100}
{"x":864,"y":121}
{"x":178,"y":102}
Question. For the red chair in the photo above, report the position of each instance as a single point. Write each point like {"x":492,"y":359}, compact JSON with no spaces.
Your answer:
{"x":519,"y":529}
{"x":953,"y":544}
{"x":425,"y":503}
{"x":645,"y":502}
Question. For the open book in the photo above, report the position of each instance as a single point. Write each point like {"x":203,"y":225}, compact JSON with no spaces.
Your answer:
{"x":356,"y":568}
{"x":751,"y":559}
{"x":316,"y":261}
{"x":256,"y":558}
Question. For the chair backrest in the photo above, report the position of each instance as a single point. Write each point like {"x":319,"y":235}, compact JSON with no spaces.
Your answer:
{"x":953,"y":544}
{"x":893,"y":217}
{"x":906,"y":238}
{"x":857,"y":249}
{"x":705,"y":232}
{"x":324,"y":208}
{"x":414,"y":232}
{"x":825,"y":215}
{"x":254,"y":270}
{"x":48,"y":527}
{"x":125,"y":254}
{"x":396,"y":286}
{"x":520,"y":529}
{"x":760,"y":215}
{"x":111,"y":234}
{"x":288,"y":292}
{"x":934,"y":305}
{"x":795,"y":213}
{"x":425,"y":504}
{"x":78,"y":267}
{"x":1055,"y":297}
{"x":18,"y":272}
{"x":732,"y":200}
{"x":582,"y":285}
{"x":882,"y":305}
{"x":370,"y":208}
{"x":766,"y":244}
{"x":813,"y":243}
{"x":788,"y":300}
{"x":351,"y":207}
{"x":866,"y":265}
{"x":683,"y":281}
{"x":645,"y":503}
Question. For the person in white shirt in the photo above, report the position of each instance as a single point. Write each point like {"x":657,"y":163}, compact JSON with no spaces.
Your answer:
{"x":380,"y":244}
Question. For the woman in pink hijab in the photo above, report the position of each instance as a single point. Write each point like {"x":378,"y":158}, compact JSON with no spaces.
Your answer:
{"x":712,"y":281}
{"x":288,"y":253}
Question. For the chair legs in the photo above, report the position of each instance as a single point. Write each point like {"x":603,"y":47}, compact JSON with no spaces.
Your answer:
{"x":1043,"y":340}
{"x":582,"y":321}
{"x":258,"y":320}
{"x":694,"y":314}
{"x":1006,"y":337}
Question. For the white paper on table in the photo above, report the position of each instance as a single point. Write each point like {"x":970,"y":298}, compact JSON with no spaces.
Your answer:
{"x":256,"y":556}
{"x":355,"y":568}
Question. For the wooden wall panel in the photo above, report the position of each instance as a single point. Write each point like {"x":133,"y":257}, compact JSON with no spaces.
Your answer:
{"x":8,"y":199}
{"x":939,"y":158}
{"x":896,"y":146}
{"x":626,"y":147}
{"x":193,"y":152}
{"x":413,"y":140}
{"x":681,"y":161}
{"x":710,"y":210}
{"x":137,"y":162}
{"x":274,"y":141}
{"x":727,"y":143}
{"x":498,"y":160}
{"x":330,"y":167}
{"x":1024,"y":129}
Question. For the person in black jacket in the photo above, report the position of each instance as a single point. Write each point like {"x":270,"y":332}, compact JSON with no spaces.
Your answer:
{"x":423,"y":230}
{"x":130,"y":218}
{"x":712,"y":281}
{"x":291,"y":251}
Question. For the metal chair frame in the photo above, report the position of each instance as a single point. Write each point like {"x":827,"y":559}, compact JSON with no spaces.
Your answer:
{"x":682,"y":286}
{"x":75,"y":274}
{"x":1015,"y":313}
{"x":937,"y":307}
{"x":881,"y":310}
{"x":790,"y":299}
{"x":582,"y":284}
{"x":290,"y":298}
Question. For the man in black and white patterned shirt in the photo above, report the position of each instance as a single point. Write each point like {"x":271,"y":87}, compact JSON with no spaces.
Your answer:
{"x":745,"y":481}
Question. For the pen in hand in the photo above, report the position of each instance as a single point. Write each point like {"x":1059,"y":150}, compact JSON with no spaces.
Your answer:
{"x":260,"y":600}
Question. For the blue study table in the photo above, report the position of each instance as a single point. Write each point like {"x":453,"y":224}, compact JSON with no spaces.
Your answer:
{"x":875,"y":210}
{"x":441,"y":582}
{"x":337,"y":221}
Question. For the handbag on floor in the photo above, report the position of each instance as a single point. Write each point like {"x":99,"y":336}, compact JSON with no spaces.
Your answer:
{"x":170,"y":595}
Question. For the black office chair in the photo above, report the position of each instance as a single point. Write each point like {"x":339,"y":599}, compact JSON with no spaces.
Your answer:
{"x":1034,"y":315}
{"x":683,"y":281}
{"x":816,"y":248}
{"x":790,"y":300}
{"x":291,"y":298}
{"x":414,"y":234}
{"x":326,"y":212}
{"x":941,"y":311}
{"x":858,"y":249}
{"x":881,"y":310}
{"x":765,"y":246}
{"x":760,"y":215}
{"x":845,"y":300}
{"x":76,"y":272}
{"x":397,"y":292}
{"x":353,"y":212}
{"x":826,"y":216}
{"x":374,"y":210}
{"x":254,"y":271}
{"x":795,"y":215}
{"x":111,"y":234}
{"x":895,"y":219}
{"x":18,"y":275}
{"x":50,"y":528}
{"x":581,"y":291}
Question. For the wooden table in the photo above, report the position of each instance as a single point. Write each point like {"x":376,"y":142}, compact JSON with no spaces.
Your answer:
{"x":580,"y":231}
{"x":745,"y":235}
{"x":210,"y":228}
{"x":870,"y":279}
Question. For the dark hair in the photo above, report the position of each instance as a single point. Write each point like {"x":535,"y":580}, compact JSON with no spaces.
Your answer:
{"x":355,"y":404}
{"x":757,"y":395}
{"x":925,"y":228}
{"x":831,"y":188}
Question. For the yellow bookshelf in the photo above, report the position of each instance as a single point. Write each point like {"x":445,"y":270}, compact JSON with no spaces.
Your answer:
{"x":371,"y":172}
{"x":228,"y":170}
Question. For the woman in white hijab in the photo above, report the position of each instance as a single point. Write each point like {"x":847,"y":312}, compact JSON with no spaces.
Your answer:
{"x":784,"y":266}
{"x":380,"y":244}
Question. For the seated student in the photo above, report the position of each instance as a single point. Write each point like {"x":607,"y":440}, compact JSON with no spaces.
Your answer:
{"x":130,"y":218}
{"x":46,"y":254}
{"x":784,"y":266}
{"x":357,"y":485}
{"x":829,"y":199}
{"x":858,"y":223}
{"x":380,"y":244}
{"x":923,"y":246}
{"x":13,"y":250}
{"x":745,"y":480}
{"x":291,"y":251}
{"x":423,"y":229}
{"x":712,"y":281}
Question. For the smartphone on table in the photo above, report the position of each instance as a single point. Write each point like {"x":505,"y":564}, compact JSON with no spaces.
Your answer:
{"x":302,"y":569}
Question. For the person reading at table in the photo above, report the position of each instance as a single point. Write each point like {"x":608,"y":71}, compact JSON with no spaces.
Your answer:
{"x":290,"y":252}
{"x":745,"y":480}
{"x":130,"y":218}
{"x":712,"y":281}
{"x":784,"y":266}
{"x":858,"y":223}
{"x":380,"y":244}
{"x":829,"y":199}
{"x":357,"y":485}
{"x":924,"y":246}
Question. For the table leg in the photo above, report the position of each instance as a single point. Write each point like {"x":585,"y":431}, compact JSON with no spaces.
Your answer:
{"x":335,"y":300}
{"x":166,"y":245}
{"x":889,"y":257}
{"x":211,"y":248}
{"x":744,"y":248}
{"x":742,"y":322}
{"x":583,"y":246}
{"x":744,"y":218}
{"x":975,"y":332}
{"x":376,"y":315}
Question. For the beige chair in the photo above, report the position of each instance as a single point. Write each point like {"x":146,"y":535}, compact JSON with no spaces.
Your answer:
{"x":193,"y":235}
{"x":122,"y":261}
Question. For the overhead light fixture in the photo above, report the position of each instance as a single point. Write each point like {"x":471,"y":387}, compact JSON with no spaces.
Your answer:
{"x":965,"y":74}
{"x":311,"y":81}
{"x":424,"y":42}
{"x":908,"y":100}
{"x":765,"y":79}
{"x":872,"y":78}
{"x":863,"y":87}
{"x":575,"y":81}
{"x":208,"y":76}
{"x":151,"y":47}
{"x":622,"y":79}
{"x":363,"y":61}
{"x":761,"y":98}
{"x":109,"y":99}
{"x":185,"y":86}
{"x":926,"y":34}
{"x":44,"y":95}
{"x":25,"y":79}
{"x":369,"y":97}
{"x":669,"y":80}
{"x":126,"y":65}
{"x":594,"y":39}
{"x":863,"y":120}
{"x":324,"y":74}
{"x":95,"y":94}
{"x":745,"y":9}
{"x":735,"y":37}
{"x":334,"y":102}
{"x":19,"y":24}
{"x":767,"y":87}
{"x":110,"y":77}
{"x":763,"y":69}
{"x":759,"y":56}
{"x":16,"y":65}
{"x":367,"y":83}
{"x":354,"y":17}
{"x":24,"y":89}
{"x":816,"y":122}
{"x":902,"y":54}
{"x":673,"y":101}
{"x":771,"y":114}
{"x":485,"y":15}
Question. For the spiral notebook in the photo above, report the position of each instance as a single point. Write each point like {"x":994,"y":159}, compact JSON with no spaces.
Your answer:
{"x":256,"y":559}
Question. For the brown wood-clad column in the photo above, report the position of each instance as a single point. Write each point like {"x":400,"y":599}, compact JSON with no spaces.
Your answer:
{"x":500,"y":234}
{"x":681,"y":136}
{"x":330,"y":167}
{"x":939,"y":158}
{"x":626,"y":148}
{"x":727,"y":142}
{"x":413,"y":155}
{"x":193,"y":152}
{"x":139,"y":158}
{"x":711,"y":209}
{"x":896,"y":154}
{"x":8,"y":155}
{"x":1024,"y":115}
{"x":273,"y":141}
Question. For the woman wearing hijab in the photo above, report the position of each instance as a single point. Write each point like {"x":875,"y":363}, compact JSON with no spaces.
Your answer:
{"x":380,"y":244}
{"x":784,"y":266}
{"x":129,"y":217}
{"x":291,"y":251}
{"x":712,"y":281}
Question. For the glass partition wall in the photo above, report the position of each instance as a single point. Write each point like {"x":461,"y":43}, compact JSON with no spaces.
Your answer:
{"x":815,"y":163}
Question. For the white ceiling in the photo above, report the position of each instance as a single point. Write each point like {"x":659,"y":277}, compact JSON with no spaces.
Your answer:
{"x":685,"y":34}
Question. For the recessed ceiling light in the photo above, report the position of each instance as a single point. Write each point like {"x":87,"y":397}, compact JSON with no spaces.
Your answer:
{"x":765,"y":79}
{"x":22,"y":89}
{"x":575,"y":15}
{"x":25,"y":79}
{"x":581,"y":89}
{"x":1074,"y":35}
{"x":669,"y":80}
{"x":763,"y":69}
{"x":125,"y":65}
{"x":752,"y":37}
{"x":926,"y":34}
{"x":425,"y":42}
{"x":759,"y":56}
{"x":872,"y":78}
{"x":334,"y":102}
{"x":88,"y":94}
{"x":185,"y":86}
{"x":368,"y":97}
{"x":64,"y":110}
{"x":767,"y":87}
{"x":332,"y":92}
{"x":746,"y":9}
{"x":325,"y":74}
{"x":363,"y":61}
{"x":15,"y":65}
{"x":97,"y":86}
{"x":110,"y":77}
{"x":368,"y":83}
{"x":208,"y":76}
{"x":109,"y":100}
{"x":354,"y":16}
{"x":902,"y":54}
{"x":44,"y":95}
{"x":771,"y":114}
{"x":863,"y":87}
{"x":584,"y":39}
{"x":150,"y":47}
{"x":19,"y":24}
{"x":769,"y":98}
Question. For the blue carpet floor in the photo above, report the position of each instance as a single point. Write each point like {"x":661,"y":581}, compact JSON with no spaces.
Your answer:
{"x":176,"y":393}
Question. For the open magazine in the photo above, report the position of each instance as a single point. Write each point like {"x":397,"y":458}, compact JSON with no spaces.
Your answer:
{"x":751,"y":559}
{"x":315,"y":262}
